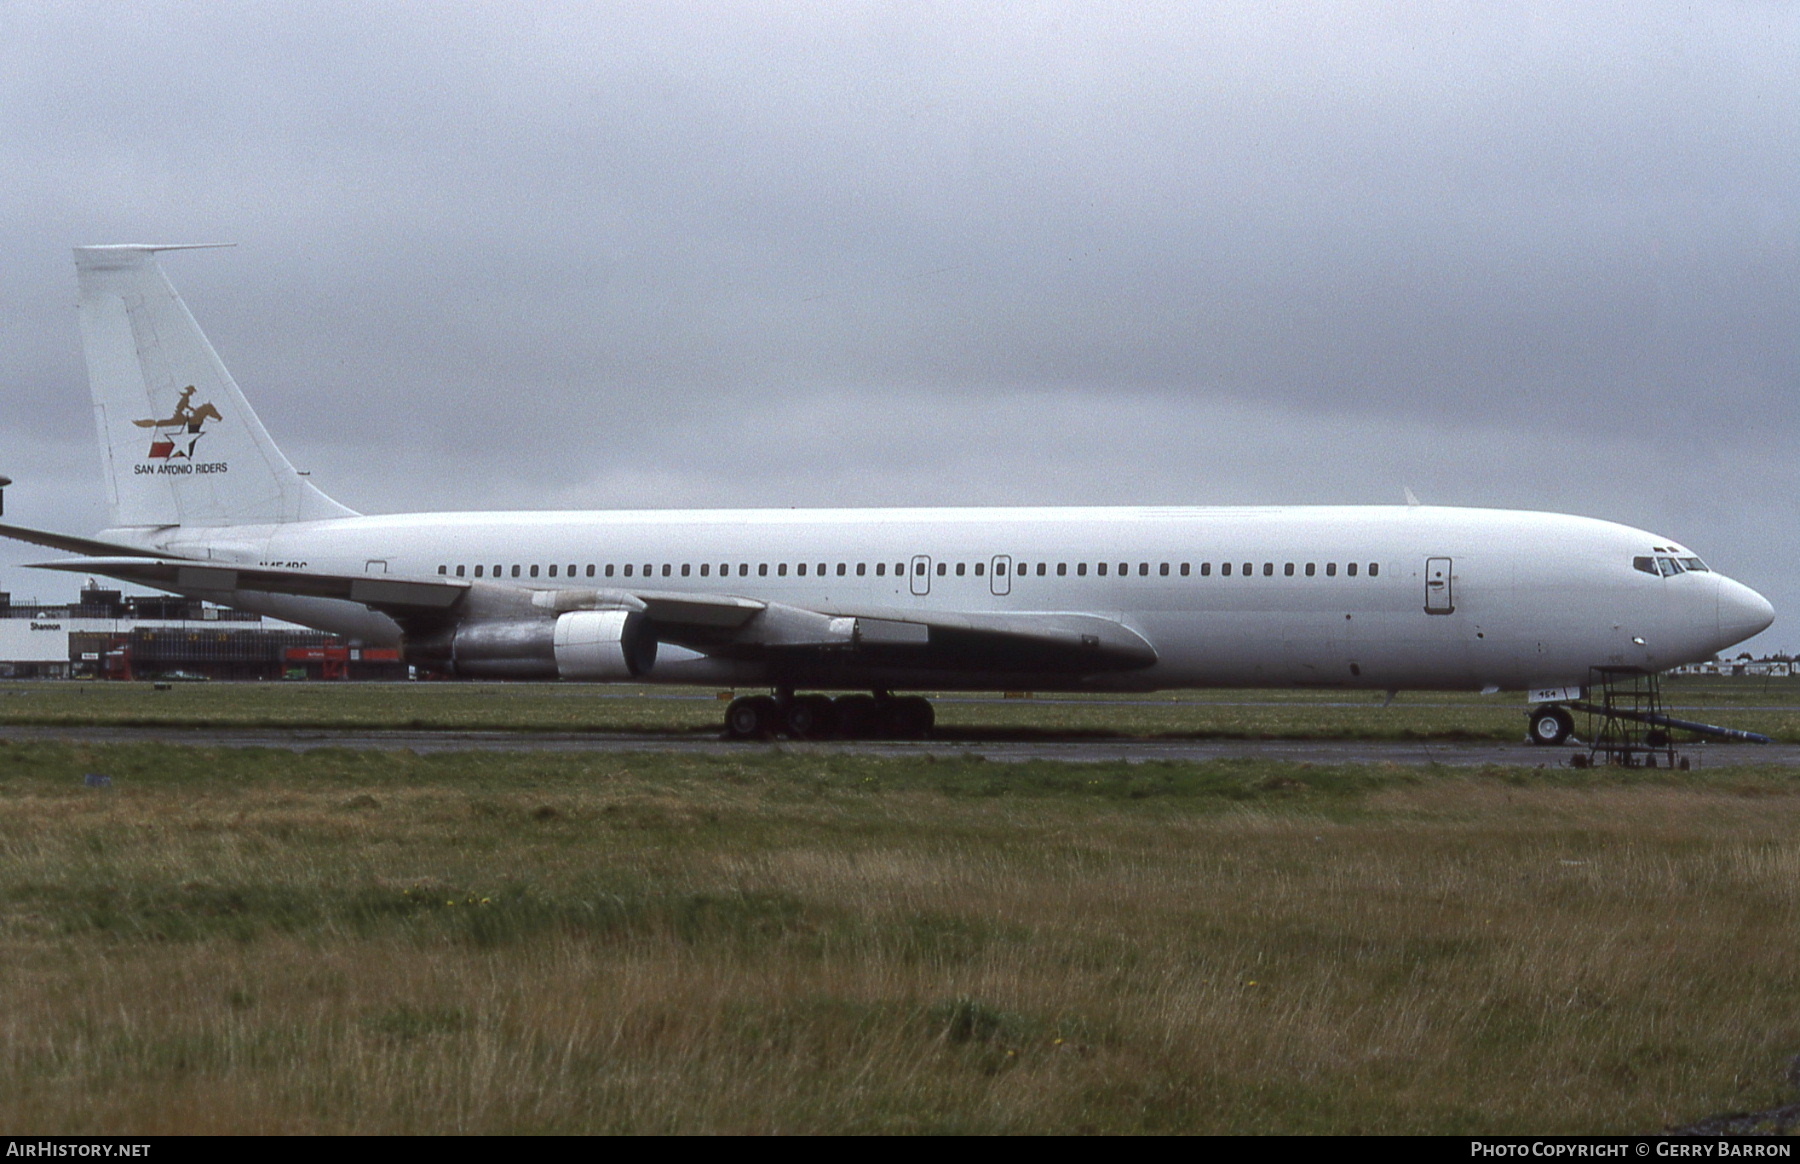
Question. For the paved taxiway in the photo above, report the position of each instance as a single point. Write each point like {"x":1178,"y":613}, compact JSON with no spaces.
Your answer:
{"x":1069,"y":751}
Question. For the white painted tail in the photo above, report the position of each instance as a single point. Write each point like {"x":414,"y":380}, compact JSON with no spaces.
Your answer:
{"x":181,"y":445}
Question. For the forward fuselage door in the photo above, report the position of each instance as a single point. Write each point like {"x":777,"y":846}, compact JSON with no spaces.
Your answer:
{"x":1439,"y":597}
{"x":1000,"y":574}
{"x":921,"y":574}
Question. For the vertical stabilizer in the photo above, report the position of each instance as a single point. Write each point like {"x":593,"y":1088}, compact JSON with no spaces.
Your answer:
{"x":181,"y":445}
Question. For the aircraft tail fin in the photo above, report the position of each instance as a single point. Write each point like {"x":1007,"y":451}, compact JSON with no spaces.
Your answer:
{"x":180,"y":443}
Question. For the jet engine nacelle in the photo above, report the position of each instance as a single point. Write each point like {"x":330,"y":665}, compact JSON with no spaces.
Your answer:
{"x":595,"y":645}
{"x":604,"y":644}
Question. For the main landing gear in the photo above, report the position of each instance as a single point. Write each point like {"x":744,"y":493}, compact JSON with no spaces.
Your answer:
{"x":819,"y":717}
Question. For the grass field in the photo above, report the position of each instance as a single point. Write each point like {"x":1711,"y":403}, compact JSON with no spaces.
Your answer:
{"x":334,"y":941}
{"x":1770,"y":706}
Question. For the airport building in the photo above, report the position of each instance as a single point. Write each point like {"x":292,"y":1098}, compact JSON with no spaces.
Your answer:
{"x":108,"y":635}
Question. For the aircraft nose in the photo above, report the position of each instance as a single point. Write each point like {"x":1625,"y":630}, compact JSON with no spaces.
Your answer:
{"x":1742,"y":612}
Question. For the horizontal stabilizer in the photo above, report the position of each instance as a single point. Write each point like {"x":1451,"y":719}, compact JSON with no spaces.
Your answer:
{"x":75,"y":545}
{"x":211,"y":580}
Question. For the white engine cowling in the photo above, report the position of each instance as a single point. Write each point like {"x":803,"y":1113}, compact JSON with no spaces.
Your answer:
{"x":601,"y":645}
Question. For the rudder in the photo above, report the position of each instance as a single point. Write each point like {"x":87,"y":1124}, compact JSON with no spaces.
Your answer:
{"x":181,"y":445}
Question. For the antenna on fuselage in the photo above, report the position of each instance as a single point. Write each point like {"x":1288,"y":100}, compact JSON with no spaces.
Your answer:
{"x":4,"y":482}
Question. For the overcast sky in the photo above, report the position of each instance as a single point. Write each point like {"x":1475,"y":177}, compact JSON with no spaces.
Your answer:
{"x":618,"y":255}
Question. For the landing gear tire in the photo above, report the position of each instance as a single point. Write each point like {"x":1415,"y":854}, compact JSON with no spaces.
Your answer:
{"x":1551,"y":725}
{"x":909,"y":718}
{"x":810,"y":717}
{"x":858,"y":716}
{"x":751,"y":717}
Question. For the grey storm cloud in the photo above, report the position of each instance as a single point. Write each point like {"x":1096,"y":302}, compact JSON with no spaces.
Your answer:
{"x":1534,"y":255}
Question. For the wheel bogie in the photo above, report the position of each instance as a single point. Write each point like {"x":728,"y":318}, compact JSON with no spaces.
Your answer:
{"x":819,"y":717}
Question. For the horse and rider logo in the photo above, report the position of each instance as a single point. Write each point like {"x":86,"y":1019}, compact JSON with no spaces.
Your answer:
{"x":175,"y":438}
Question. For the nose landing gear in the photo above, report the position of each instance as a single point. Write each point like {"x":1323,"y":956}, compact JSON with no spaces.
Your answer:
{"x":1551,"y":725}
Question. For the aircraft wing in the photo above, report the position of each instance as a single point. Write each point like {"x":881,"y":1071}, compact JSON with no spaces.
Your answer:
{"x":722,"y":625}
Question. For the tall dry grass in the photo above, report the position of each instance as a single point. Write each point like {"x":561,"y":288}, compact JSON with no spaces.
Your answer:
{"x":247,"y":942}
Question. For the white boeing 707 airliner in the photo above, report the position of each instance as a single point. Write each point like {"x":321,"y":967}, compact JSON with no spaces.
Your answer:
{"x":864,"y":600}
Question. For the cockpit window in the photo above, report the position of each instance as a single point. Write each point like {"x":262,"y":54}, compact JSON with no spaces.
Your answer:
{"x":1668,"y":567}
{"x":1646,"y":564}
{"x":1695,"y":564}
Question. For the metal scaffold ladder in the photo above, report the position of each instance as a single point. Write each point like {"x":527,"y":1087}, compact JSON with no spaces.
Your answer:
{"x":1629,"y":727}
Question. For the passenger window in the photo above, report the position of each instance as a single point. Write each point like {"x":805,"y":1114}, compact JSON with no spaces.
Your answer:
{"x":822,"y":570}
{"x":1350,"y":569}
{"x":1062,"y":569}
{"x":1101,"y":569}
{"x":959,"y":569}
{"x":478,"y":571}
{"x":1206,"y":569}
{"x":1043,"y":568}
{"x":1163,"y":570}
{"x":1081,"y":569}
{"x":459,"y":571}
{"x":862,"y":568}
{"x":1143,"y":569}
{"x":609,"y":569}
{"x":515,"y":571}
{"x":1288,"y":570}
{"x":534,"y":571}
{"x":801,"y":569}
{"x":1311,"y":569}
{"x":1331,"y":569}
{"x":684,"y":569}
{"x":647,"y":570}
{"x":1374,"y":569}
{"x":781,"y":570}
{"x":881,"y":569}
{"x":1249,"y":569}
{"x":665,"y":569}
{"x":552,"y":570}
{"x":1225,"y":569}
{"x":1124,"y":569}
{"x":1184,"y":569}
{"x":841,"y":569}
{"x":590,"y":569}
{"x":1268,"y":569}
{"x":762,"y":569}
{"x":980,"y":566}
{"x":705,"y":568}
{"x":942,"y":569}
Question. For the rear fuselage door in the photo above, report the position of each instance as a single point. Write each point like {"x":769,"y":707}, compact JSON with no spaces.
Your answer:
{"x":921,"y":574}
{"x":1439,"y":596}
